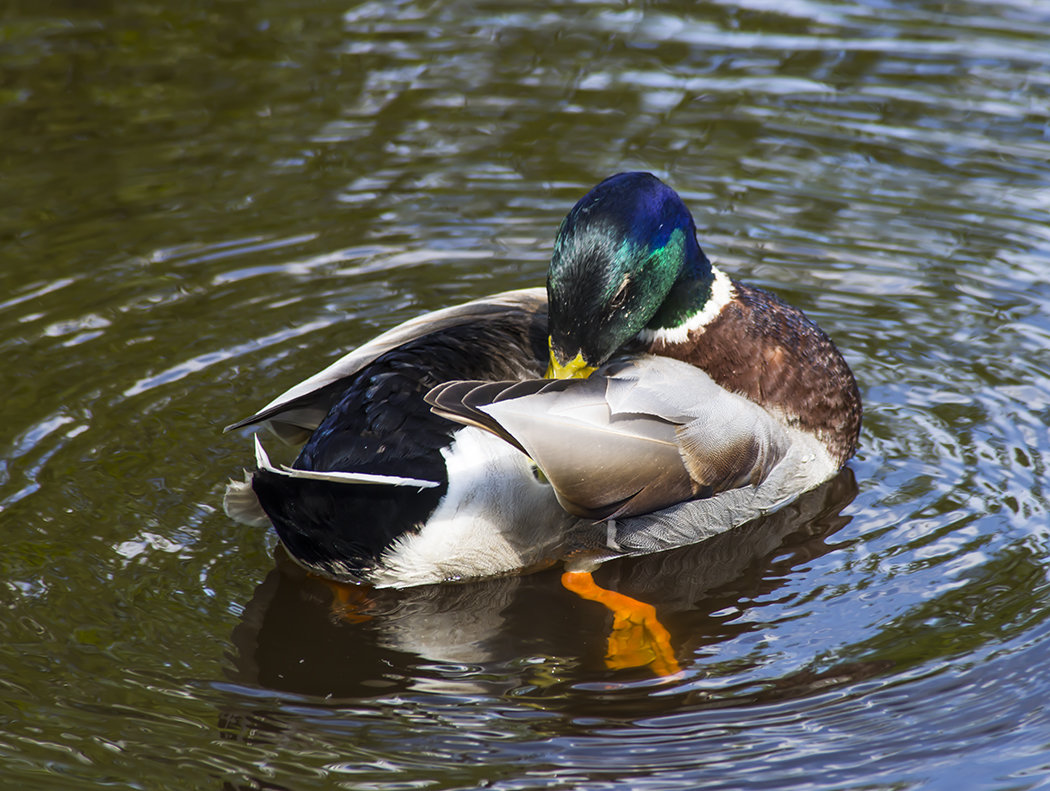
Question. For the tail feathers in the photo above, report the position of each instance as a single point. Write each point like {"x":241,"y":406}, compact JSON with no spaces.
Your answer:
{"x":340,"y":531}
{"x":241,"y":504}
{"x":333,"y":529}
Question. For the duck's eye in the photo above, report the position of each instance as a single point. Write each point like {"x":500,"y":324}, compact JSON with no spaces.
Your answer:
{"x":620,"y":297}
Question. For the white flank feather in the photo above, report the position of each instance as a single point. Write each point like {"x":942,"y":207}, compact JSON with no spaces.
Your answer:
{"x":496,"y":517}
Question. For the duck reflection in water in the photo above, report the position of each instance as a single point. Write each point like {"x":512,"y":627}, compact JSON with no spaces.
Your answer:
{"x":676,"y":404}
{"x":300,"y":634}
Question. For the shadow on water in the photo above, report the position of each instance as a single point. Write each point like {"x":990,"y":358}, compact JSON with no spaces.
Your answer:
{"x":493,"y":637}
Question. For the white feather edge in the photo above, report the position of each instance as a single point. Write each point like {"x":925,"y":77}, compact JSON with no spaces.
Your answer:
{"x":262,"y":461}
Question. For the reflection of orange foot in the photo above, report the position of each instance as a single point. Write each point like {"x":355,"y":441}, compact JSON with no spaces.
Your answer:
{"x":638,"y":638}
{"x":347,"y":601}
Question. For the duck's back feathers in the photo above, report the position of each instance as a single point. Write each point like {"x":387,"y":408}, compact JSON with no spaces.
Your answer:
{"x":295,"y":413}
{"x":632,"y":438}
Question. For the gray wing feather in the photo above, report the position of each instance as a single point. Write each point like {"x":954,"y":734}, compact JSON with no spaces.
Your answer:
{"x":634,"y":437}
{"x":725,"y":440}
{"x":595,"y":462}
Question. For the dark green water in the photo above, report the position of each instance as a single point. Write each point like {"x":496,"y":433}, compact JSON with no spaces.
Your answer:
{"x":202,"y":203}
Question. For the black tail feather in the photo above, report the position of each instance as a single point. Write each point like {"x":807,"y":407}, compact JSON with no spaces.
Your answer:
{"x":341,"y":530}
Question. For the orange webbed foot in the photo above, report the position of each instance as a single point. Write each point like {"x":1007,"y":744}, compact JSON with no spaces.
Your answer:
{"x":638,"y":638}
{"x":347,"y":601}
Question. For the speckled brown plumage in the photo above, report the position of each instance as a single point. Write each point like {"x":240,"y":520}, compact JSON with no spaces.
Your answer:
{"x":771,"y":353}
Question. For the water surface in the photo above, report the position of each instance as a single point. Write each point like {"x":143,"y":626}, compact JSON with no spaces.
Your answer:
{"x":203,"y":205}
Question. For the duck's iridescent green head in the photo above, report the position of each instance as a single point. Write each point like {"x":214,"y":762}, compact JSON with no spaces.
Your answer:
{"x":625,"y":259}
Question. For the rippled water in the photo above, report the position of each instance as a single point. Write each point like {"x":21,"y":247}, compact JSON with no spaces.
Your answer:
{"x":205,"y":203}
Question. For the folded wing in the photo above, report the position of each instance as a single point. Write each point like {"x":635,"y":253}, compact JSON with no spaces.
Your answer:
{"x":632,"y":438}
{"x":294,"y":414}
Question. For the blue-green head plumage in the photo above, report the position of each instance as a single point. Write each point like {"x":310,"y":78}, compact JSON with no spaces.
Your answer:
{"x":625,"y":259}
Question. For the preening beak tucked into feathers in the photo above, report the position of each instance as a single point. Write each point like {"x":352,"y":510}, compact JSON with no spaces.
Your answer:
{"x":625,"y":259}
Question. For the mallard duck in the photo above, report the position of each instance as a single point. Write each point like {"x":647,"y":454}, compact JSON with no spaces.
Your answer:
{"x":643,"y":400}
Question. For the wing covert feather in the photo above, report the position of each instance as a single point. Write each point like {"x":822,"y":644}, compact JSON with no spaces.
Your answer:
{"x":632,"y":438}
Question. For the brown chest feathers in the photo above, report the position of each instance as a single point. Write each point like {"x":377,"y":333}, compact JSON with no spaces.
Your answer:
{"x":771,"y":353}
